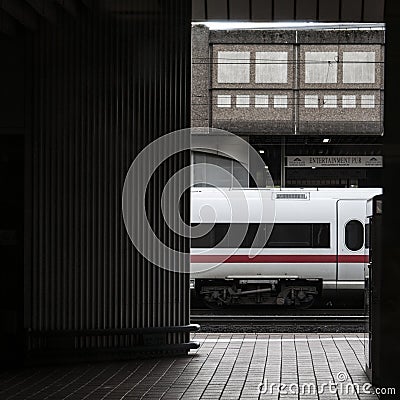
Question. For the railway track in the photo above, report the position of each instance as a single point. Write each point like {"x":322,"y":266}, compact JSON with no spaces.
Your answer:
{"x":278,"y":319}
{"x":273,"y":317}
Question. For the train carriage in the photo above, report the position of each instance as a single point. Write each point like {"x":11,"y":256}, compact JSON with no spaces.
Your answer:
{"x":278,"y":246}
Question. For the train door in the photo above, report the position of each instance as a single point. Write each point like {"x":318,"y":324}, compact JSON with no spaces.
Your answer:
{"x":350,"y":247}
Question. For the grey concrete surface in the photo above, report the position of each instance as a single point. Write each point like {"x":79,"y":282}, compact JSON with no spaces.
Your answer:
{"x":226,"y":366}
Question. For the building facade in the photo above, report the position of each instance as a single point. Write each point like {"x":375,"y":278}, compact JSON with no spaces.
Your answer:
{"x":295,"y":94}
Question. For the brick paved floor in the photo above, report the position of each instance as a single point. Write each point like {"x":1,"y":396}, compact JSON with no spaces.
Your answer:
{"x":226,"y":366}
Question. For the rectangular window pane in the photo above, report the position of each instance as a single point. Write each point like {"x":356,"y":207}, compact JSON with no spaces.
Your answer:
{"x":330,"y":101}
{"x":221,"y":235}
{"x":233,"y":67}
{"x":358,"y":67}
{"x":368,"y":101}
{"x":205,"y":241}
{"x":243,"y":100}
{"x":348,"y":101}
{"x":261,"y":101}
{"x":321,"y":235}
{"x":290,"y":235}
{"x":311,"y":101}
{"x":223,"y":100}
{"x":240,"y":175}
{"x":280,"y":101}
{"x":254,"y":236}
{"x":321,"y":67}
{"x":199,"y":174}
{"x":367,"y":236}
{"x":271,"y":66}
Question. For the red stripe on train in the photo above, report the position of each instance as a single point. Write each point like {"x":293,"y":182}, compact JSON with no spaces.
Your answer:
{"x":290,"y":258}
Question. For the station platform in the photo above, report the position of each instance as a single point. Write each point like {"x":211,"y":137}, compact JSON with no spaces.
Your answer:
{"x":225,"y":366}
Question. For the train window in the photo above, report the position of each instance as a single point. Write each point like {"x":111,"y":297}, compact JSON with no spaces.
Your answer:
{"x":367,"y":236}
{"x":221,"y":235}
{"x":290,"y":235}
{"x":240,"y":235}
{"x":207,"y":240}
{"x":215,"y":236}
{"x":237,"y":235}
{"x":254,"y":235}
{"x":257,"y":235}
{"x":321,"y":235}
{"x":300,"y":235}
{"x":354,"y":235}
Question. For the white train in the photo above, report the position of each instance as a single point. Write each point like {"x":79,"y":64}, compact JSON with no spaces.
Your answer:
{"x":316,"y":249}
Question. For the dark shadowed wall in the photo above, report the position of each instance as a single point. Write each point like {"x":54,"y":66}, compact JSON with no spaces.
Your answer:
{"x":97,"y":87}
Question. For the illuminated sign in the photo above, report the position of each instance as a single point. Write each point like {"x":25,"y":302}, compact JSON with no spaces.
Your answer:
{"x":334,"y":161}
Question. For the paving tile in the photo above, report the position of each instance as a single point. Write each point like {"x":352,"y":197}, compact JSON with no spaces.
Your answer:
{"x":226,"y":366}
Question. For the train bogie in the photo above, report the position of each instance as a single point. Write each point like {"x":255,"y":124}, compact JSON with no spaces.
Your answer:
{"x":229,"y":292}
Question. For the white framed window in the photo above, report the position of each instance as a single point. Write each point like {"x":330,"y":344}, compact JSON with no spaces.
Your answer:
{"x":233,"y":67}
{"x":242,"y":101}
{"x":280,"y":101}
{"x":311,"y":101}
{"x":261,"y":101}
{"x":367,"y":101}
{"x":271,"y":66}
{"x":358,"y":67}
{"x":330,"y":101}
{"x":321,"y":66}
{"x":348,"y":101}
{"x":224,"y":100}
{"x":215,"y":170}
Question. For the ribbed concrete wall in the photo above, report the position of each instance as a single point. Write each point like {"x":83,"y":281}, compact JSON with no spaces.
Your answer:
{"x":104,"y":85}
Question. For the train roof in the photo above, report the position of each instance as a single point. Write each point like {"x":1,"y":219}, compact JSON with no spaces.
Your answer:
{"x":251,"y":204}
{"x":307,"y":193}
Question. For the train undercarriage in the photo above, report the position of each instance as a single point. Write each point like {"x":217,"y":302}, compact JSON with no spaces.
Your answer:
{"x":301,"y":293}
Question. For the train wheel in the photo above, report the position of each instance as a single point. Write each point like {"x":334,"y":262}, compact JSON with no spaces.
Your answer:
{"x":214,"y":305}
{"x":215,"y":302}
{"x":304,"y":303}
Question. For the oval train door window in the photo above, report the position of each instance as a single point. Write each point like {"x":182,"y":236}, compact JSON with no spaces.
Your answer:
{"x":354,"y":235}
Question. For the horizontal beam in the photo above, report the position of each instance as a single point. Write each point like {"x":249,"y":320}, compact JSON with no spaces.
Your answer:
{"x":87,"y":3}
{"x":45,"y":8}
{"x":70,"y":6}
{"x":21,"y":12}
{"x":112,"y":331}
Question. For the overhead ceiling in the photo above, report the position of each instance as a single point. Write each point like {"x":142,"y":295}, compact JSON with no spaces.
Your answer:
{"x":348,"y":140}
{"x":17,"y":14}
{"x":289,"y":10}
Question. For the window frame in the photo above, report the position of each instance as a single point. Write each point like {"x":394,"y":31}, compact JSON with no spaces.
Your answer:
{"x":362,"y":235}
{"x":223,"y":227}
